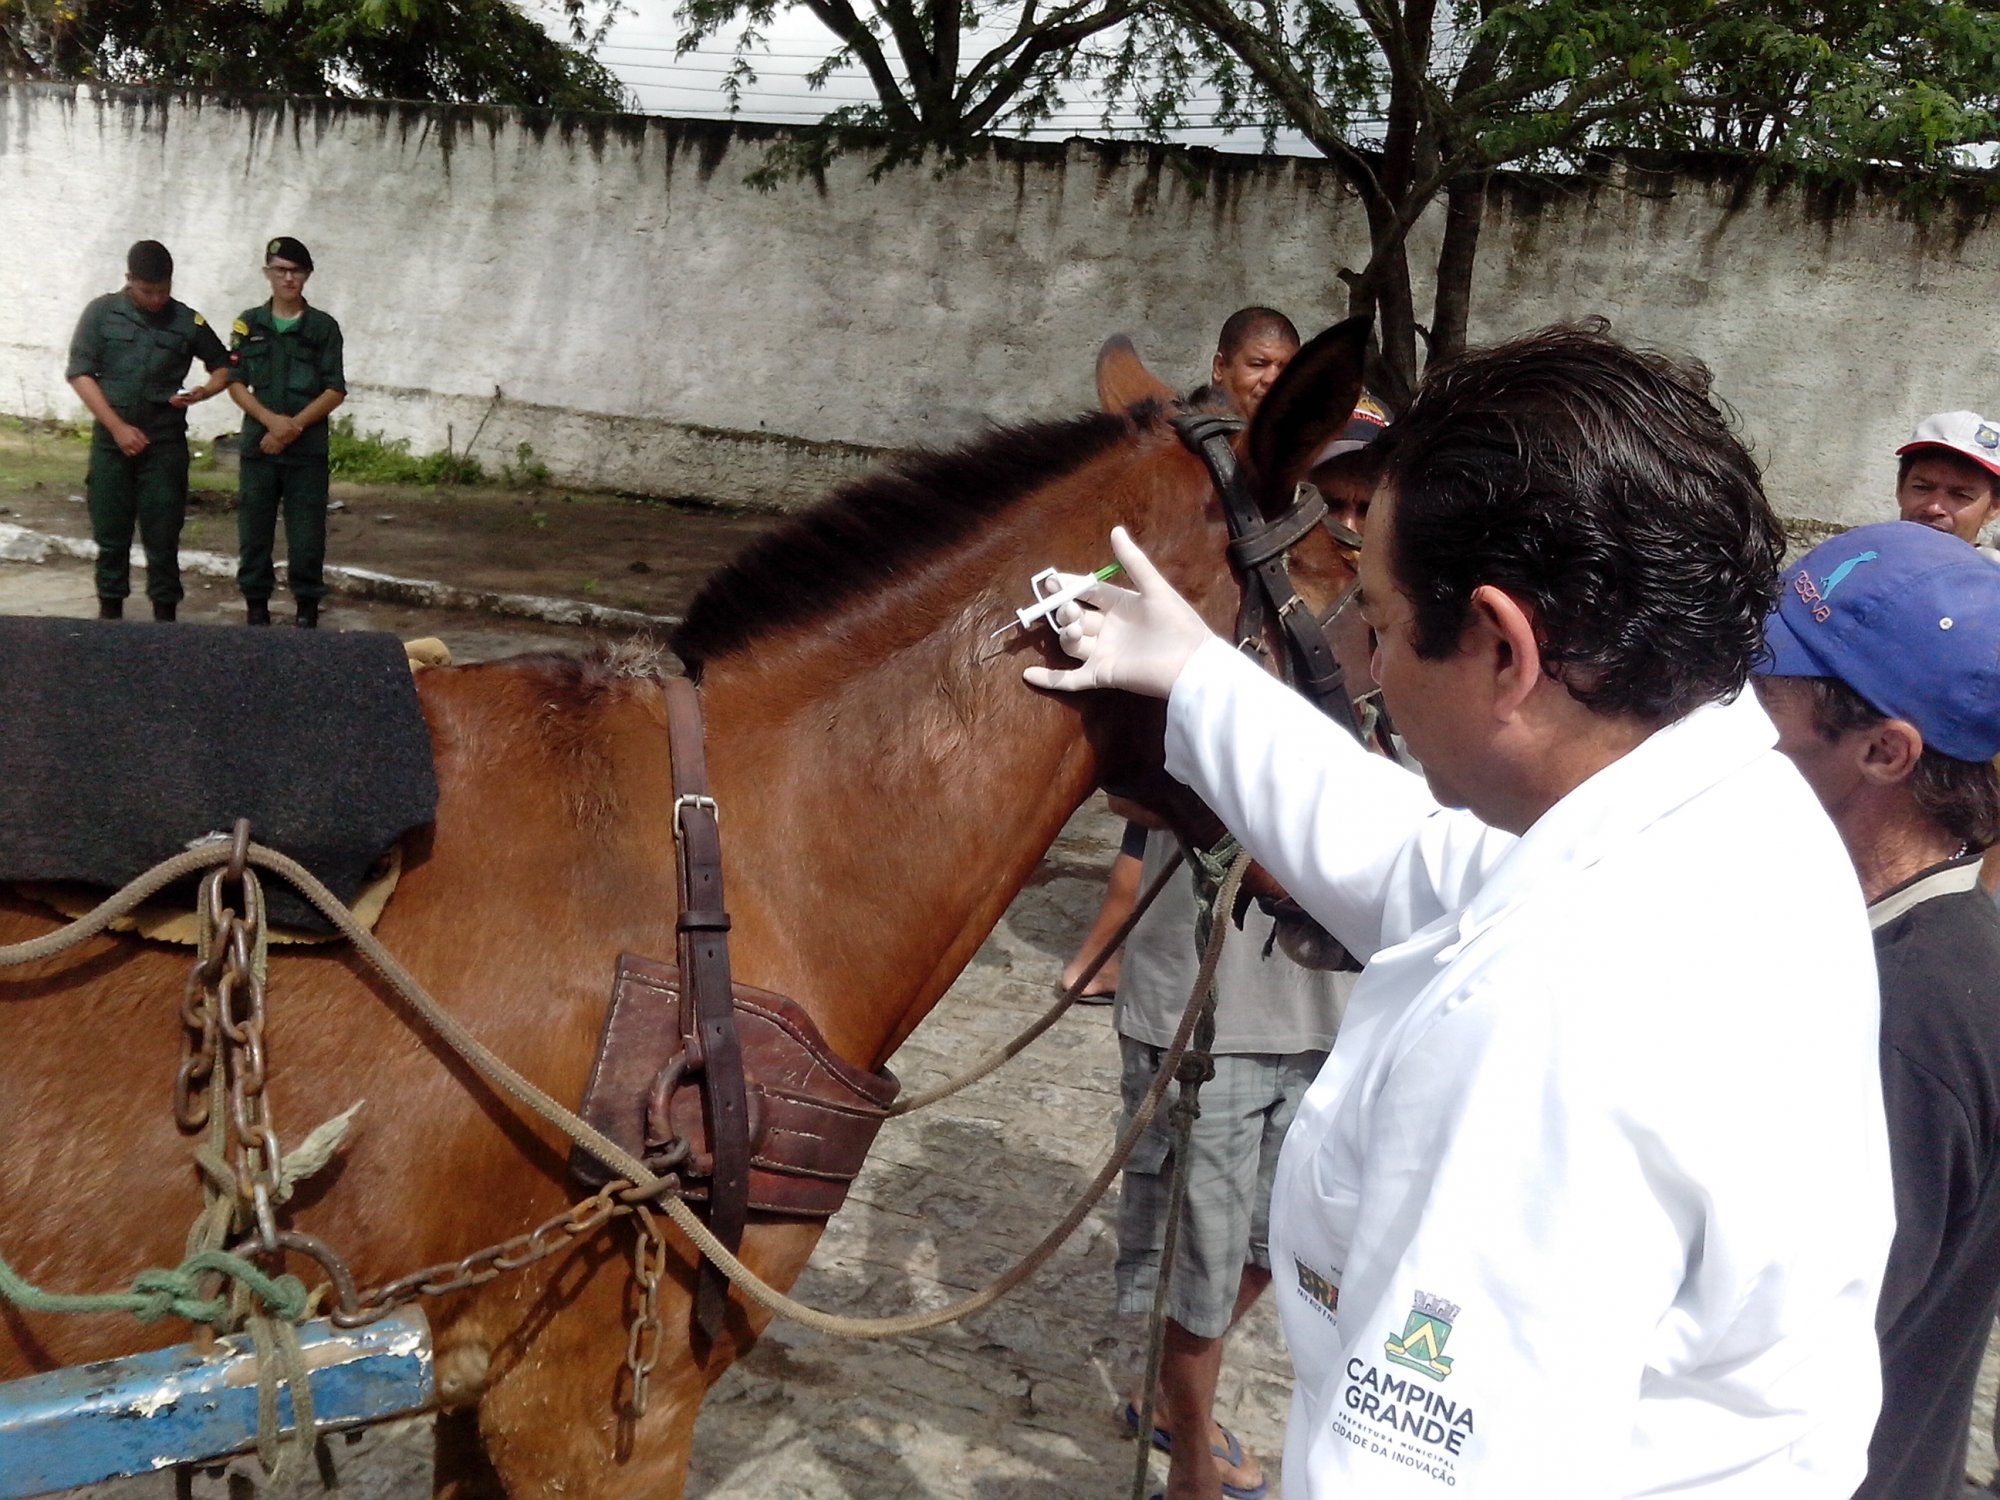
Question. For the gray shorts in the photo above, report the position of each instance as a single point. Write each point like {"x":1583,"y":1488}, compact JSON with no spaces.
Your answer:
{"x":1233,"y":1153}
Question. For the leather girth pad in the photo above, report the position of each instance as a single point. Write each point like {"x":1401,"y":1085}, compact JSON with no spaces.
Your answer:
{"x":813,"y":1117}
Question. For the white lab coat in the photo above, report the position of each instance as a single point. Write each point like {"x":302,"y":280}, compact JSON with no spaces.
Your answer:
{"x":1592,"y":1197}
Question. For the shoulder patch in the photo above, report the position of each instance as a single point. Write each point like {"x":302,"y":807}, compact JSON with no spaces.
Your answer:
{"x":239,"y":326}
{"x":200,"y":321}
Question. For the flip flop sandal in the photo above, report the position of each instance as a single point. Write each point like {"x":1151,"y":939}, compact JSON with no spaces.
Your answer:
{"x":1230,"y":1452}
{"x":1093,"y":997}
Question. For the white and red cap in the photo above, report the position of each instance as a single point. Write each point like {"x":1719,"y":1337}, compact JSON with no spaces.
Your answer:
{"x":1369,"y":421}
{"x":1964,"y":433}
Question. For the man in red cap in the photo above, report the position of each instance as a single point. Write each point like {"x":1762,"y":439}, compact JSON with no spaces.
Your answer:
{"x":1949,"y":477}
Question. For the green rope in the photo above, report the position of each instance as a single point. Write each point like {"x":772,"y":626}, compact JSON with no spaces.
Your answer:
{"x":281,"y":1363}
{"x":1209,"y":867}
{"x":158,"y":1294}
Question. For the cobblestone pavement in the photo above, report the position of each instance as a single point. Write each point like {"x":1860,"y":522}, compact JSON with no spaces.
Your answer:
{"x":1018,"y":1401}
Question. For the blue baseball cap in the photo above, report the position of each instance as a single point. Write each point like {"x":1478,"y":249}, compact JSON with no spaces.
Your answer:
{"x":1906,"y":616}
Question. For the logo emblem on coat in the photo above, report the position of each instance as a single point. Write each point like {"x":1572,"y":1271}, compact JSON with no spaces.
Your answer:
{"x":1420,"y":1346}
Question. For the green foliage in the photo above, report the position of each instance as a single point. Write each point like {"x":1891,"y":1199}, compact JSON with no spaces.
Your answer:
{"x":374,"y":459}
{"x":526,"y":470}
{"x":466,"y":51}
{"x":54,"y":429}
{"x":1832,"y":88}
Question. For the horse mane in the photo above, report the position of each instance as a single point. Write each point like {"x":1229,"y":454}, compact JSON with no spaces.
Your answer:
{"x":881,"y":527}
{"x":573,"y":680}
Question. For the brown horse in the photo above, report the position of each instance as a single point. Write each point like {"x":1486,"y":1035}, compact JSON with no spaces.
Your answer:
{"x":887,"y":784}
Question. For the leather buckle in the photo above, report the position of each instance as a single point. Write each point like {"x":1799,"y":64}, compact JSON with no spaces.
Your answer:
{"x":699,"y":802}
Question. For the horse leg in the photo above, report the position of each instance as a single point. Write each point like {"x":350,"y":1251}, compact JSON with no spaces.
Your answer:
{"x":554,"y":1420}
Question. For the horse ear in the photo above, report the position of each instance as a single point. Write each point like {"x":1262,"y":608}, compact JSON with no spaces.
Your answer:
{"x":1123,"y":380}
{"x":1308,"y":403}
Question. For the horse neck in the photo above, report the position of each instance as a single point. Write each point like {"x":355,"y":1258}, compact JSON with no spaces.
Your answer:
{"x":888,"y":781}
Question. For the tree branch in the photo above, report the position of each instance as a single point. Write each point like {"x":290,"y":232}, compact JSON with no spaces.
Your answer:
{"x":1010,"y":79}
{"x":918,"y":64}
{"x":1276,"y":75}
{"x":1026,"y":29}
{"x":839,"y":17}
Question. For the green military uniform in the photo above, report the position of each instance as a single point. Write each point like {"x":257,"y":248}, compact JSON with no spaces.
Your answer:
{"x":140,"y":360}
{"x":288,"y":369}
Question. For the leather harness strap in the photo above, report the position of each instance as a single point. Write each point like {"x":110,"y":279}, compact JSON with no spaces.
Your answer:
{"x":707,"y":1016}
{"x":1258,"y":548}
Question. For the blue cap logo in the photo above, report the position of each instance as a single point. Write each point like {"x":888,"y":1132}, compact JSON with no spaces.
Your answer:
{"x":1986,"y":437}
{"x":1814,"y":595}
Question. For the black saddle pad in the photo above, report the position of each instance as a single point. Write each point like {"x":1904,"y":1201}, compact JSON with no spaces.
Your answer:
{"x":122,"y":743}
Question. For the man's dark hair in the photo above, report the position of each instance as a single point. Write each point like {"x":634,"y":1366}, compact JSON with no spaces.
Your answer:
{"x":1904,"y":464}
{"x":1961,"y":796}
{"x":1249,"y":323}
{"x":148,"y":260}
{"x":1601,"y":487}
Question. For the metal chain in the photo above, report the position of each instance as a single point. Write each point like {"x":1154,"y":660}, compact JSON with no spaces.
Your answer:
{"x":581,"y":1219}
{"x":198,"y":1041}
{"x":230,"y":976}
{"x":642,"y":1344}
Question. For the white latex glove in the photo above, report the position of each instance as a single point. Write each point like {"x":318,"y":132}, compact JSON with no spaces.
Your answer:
{"x":1138,"y":641}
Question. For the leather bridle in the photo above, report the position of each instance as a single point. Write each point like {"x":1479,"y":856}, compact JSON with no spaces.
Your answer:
{"x":1259,"y":550}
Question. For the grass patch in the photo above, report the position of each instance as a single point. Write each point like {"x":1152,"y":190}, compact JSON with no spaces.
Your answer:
{"x":374,"y":459}
{"x":526,"y":471}
{"x":35,"y":453}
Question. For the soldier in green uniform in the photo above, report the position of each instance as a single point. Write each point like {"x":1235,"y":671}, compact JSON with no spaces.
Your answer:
{"x":285,"y":372}
{"x":130,"y":353}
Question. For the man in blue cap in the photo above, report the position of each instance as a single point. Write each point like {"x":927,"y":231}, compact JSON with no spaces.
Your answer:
{"x":1884,"y":682}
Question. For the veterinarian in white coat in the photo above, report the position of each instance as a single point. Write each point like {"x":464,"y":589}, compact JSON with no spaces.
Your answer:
{"x":1592,"y":1197}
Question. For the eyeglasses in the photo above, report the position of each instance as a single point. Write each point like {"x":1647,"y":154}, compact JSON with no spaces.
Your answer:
{"x":287,"y":273}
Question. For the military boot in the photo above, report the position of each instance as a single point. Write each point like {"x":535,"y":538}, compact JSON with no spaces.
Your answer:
{"x":164,"y":612}
{"x":259,"y":611}
{"x":110,"y":609}
{"x":308,"y":614}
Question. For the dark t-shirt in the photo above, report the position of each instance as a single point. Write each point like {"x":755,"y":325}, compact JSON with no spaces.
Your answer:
{"x":1940,"y":968}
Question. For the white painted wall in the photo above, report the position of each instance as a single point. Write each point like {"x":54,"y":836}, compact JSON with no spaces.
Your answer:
{"x":655,"y":325}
